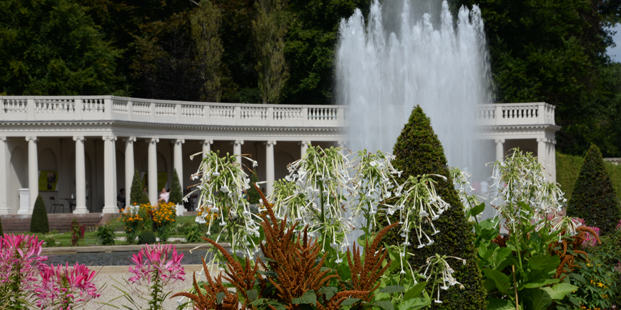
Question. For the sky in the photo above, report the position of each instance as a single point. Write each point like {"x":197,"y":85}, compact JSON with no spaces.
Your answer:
{"x":615,"y":52}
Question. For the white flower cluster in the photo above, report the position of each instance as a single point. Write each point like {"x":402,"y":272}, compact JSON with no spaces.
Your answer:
{"x":439,"y":272}
{"x":461,"y":180}
{"x":222,"y":182}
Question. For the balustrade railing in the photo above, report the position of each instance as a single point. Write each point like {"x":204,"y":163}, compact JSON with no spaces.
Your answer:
{"x":56,"y":108}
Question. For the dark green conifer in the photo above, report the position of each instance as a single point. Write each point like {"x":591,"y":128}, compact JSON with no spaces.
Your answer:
{"x":594,"y":198}
{"x":39,"y":222}
{"x":136,"y":195}
{"x":175,"y":191}
{"x":418,"y":151}
{"x":253,"y":194}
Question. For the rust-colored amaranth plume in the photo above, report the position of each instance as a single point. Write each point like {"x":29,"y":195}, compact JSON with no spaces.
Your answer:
{"x":567,"y":264}
{"x":209,"y":300}
{"x":365,"y":276}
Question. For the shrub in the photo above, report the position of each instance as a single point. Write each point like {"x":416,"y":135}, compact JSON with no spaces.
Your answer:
{"x":105,"y":234}
{"x":77,"y":232}
{"x":39,"y":222}
{"x":568,"y":170}
{"x":146,"y":237}
{"x":193,"y":233}
{"x":418,"y":151}
{"x":253,"y":194}
{"x":175,"y":191}
{"x":594,"y":198}
{"x":164,"y":217}
{"x":136,"y":195}
{"x":50,"y":239}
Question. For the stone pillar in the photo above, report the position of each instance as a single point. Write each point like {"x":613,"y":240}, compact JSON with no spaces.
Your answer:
{"x":4,"y":165}
{"x":269,"y":166}
{"x":303,"y":147}
{"x":153,"y":190}
{"x":553,"y":160}
{"x":109,"y":175}
{"x":80,"y":176}
{"x":178,"y":159}
{"x":33,"y":172}
{"x":129,"y":168}
{"x":206,"y":147}
{"x":500,"y":149}
{"x":237,"y":148}
{"x":541,"y":151}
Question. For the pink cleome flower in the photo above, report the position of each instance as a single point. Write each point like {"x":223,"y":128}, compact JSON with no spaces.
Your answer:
{"x":20,"y":259}
{"x":156,"y":258}
{"x":65,"y":286}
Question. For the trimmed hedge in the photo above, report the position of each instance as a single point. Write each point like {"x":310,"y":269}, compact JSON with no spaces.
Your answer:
{"x":418,"y":151}
{"x":175,"y":191}
{"x":568,"y":169}
{"x":594,"y":198}
{"x":136,"y":195}
{"x":39,"y":222}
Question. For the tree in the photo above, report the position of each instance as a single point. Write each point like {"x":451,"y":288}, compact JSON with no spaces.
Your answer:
{"x":137,"y":195}
{"x":253,"y":193}
{"x":206,"y":20}
{"x":418,"y":151}
{"x":269,"y":29}
{"x":52,"y":47}
{"x":39,"y":222}
{"x":555,"y":51}
{"x":176,"y":195}
{"x":594,"y":198}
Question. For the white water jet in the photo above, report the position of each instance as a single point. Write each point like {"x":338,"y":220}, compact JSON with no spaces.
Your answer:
{"x":406,"y":57}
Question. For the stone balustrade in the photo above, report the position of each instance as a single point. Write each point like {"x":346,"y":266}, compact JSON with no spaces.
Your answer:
{"x":516,"y":114}
{"x":85,"y":108}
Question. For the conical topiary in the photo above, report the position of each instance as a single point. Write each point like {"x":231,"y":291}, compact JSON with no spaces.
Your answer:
{"x":594,"y":198}
{"x":38,"y":221}
{"x":175,"y":191}
{"x":136,"y":195}
{"x":253,"y":194}
{"x":418,"y":151}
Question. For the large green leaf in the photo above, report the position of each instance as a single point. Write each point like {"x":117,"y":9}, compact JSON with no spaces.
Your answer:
{"x":329,"y":291}
{"x":540,"y":283}
{"x":392,"y":289}
{"x":219,"y":297}
{"x":308,"y":298}
{"x":559,"y":291}
{"x":501,"y":281}
{"x":536,"y":299}
{"x":350,"y":301}
{"x":500,"y":304}
{"x":252,"y":295}
{"x":502,"y":258}
{"x":414,"y":303}
{"x":384,"y":304}
{"x":414,"y":291}
{"x":476,"y":210}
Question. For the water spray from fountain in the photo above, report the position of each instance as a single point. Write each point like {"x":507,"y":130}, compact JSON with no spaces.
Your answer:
{"x":415,"y":53}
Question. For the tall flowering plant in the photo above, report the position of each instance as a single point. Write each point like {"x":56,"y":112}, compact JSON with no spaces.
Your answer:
{"x":20,"y":264}
{"x":156,"y":267}
{"x":65,"y":287}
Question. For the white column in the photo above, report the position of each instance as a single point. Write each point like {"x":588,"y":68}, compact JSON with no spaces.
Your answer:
{"x":206,"y":147}
{"x":129,"y":167}
{"x":303,"y":147}
{"x":500,"y":149}
{"x":33,"y":172}
{"x":237,"y":148}
{"x":553,"y":160}
{"x":153,"y":190}
{"x":178,"y":154}
{"x":269,"y":166}
{"x":80,"y":176}
{"x":541,"y":151}
{"x":4,"y":207}
{"x":109,"y":175}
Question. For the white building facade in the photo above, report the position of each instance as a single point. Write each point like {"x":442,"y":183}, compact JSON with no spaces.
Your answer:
{"x":79,"y":151}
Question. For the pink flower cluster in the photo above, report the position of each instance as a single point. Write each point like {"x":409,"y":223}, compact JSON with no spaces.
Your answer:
{"x":64,"y":286}
{"x":156,"y":258}
{"x":619,"y":225}
{"x":590,"y":240}
{"x":20,"y":260}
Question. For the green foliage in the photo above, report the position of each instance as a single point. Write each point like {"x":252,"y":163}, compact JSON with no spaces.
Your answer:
{"x":594,"y":198}
{"x":608,"y":253}
{"x":77,"y":232}
{"x":193,"y":233}
{"x":176,"y":195}
{"x":146,"y":237}
{"x":597,"y":286}
{"x":39,"y":222}
{"x":53,"y":47}
{"x":269,"y":29}
{"x":418,"y":151}
{"x":50,"y":239}
{"x":555,"y":51}
{"x":253,"y":194}
{"x":137,"y":195}
{"x":105,"y":234}
{"x":568,"y":170}
{"x":206,"y":21}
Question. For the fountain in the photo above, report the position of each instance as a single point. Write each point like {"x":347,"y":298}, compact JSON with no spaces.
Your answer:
{"x":414,"y":53}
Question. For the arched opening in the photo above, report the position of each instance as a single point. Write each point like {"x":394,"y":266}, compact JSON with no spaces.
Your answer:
{"x":18,"y":174}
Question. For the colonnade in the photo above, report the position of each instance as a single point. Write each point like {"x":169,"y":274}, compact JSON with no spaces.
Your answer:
{"x":110,"y":177}
{"x":545,"y":155}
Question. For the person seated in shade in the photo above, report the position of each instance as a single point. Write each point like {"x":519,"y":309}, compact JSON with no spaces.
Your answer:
{"x":120,"y":198}
{"x":164,"y":195}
